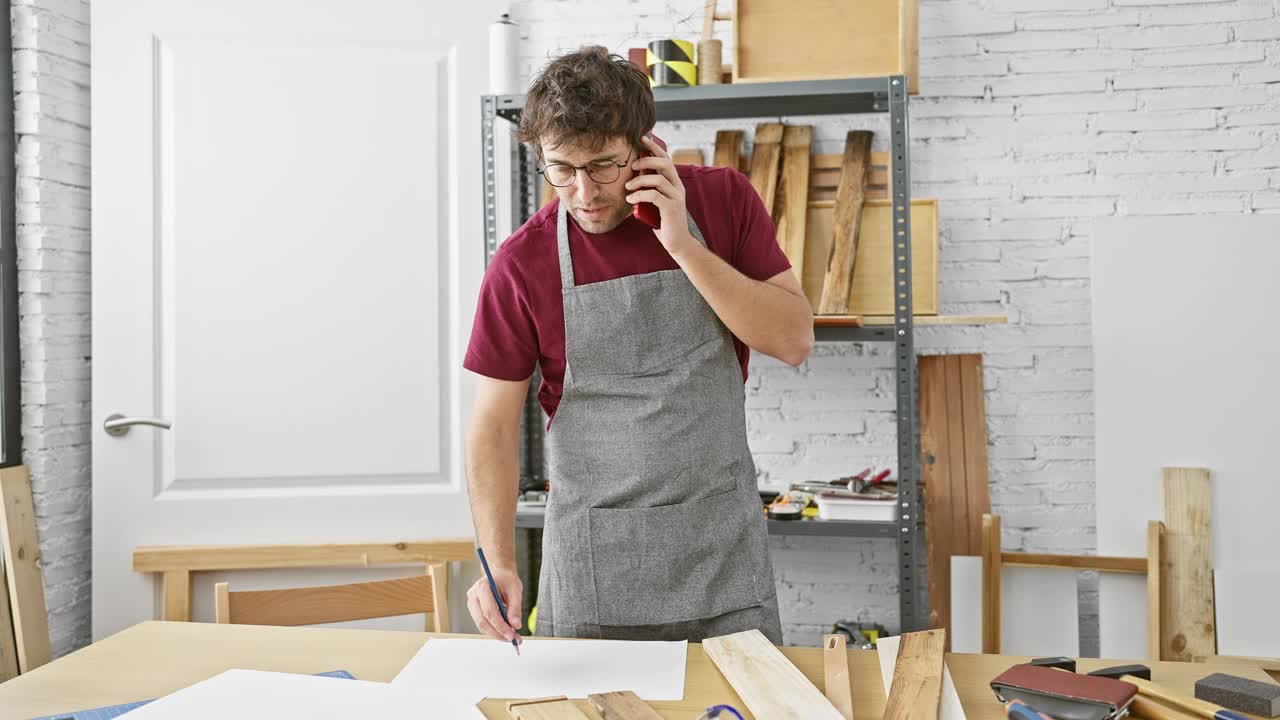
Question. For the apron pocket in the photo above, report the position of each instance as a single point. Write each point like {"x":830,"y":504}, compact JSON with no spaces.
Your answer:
{"x":675,"y":563}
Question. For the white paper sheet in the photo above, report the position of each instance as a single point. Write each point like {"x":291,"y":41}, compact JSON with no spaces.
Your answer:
{"x":948,"y":709}
{"x":256,"y":695}
{"x":546,"y":667}
{"x":966,"y":604}
{"x":1039,"y":612}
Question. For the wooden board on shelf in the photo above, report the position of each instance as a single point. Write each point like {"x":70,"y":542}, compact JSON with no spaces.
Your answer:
{"x":953,"y":448}
{"x":728,"y":151}
{"x":842,"y":256}
{"x":765,"y":679}
{"x":793,"y":192}
{"x":775,"y":40}
{"x":765,"y":155}
{"x":872,"y":290}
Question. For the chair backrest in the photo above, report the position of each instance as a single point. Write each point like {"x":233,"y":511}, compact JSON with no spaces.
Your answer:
{"x":338,"y":603}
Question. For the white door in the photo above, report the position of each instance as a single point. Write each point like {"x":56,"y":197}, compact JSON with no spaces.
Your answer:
{"x":287,"y":248}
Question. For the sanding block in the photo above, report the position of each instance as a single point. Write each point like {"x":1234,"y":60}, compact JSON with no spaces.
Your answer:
{"x":1065,"y":695}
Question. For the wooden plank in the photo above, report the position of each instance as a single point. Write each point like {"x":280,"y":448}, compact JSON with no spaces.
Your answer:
{"x":776,"y":40}
{"x":623,"y":705}
{"x":977,"y":481}
{"x":835,"y":673}
{"x":872,"y":289}
{"x":957,"y":523}
{"x":8,"y":653}
{"x":22,"y":569}
{"x":935,"y":451}
{"x":766,"y":681}
{"x":1135,"y":566}
{"x":553,"y":708}
{"x":824,"y":177}
{"x":911,"y":44}
{"x":439,"y":619}
{"x":950,"y":708}
{"x":332,"y":603}
{"x":687,"y":156}
{"x":1187,"y":621}
{"x":793,"y":194}
{"x":728,"y":151}
{"x":838,"y":280}
{"x":1155,"y":541}
{"x":917,"y":677}
{"x":992,"y":566}
{"x":259,"y":557}
{"x":765,"y":155}
{"x":176,"y":590}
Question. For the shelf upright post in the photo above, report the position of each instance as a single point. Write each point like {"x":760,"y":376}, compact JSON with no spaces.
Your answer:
{"x":489,"y":189}
{"x":910,"y":541}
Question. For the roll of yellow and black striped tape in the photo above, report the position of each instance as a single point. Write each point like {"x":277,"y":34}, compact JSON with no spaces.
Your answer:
{"x":670,"y":63}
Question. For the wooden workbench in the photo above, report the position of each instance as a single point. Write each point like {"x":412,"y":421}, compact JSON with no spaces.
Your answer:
{"x":155,"y":658}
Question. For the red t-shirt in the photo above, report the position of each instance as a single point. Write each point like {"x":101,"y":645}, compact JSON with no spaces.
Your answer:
{"x":520,"y":314}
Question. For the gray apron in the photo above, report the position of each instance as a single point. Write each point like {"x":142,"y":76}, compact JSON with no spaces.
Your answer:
{"x":654,"y":526}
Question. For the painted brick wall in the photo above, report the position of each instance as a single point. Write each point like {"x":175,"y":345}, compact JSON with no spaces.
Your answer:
{"x":51,"y":82}
{"x":1034,"y":117}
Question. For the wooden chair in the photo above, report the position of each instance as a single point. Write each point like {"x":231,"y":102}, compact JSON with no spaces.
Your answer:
{"x":337,"y":603}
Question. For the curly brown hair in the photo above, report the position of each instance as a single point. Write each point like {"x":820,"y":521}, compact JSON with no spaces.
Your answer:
{"x":587,"y":97}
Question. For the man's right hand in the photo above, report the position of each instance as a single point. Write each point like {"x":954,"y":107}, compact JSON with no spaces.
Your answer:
{"x":484,"y":610}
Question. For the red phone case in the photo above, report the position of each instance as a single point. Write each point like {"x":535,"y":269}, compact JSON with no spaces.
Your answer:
{"x":646,"y":212}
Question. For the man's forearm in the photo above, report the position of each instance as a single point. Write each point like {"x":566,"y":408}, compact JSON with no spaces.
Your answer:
{"x":766,"y":317}
{"x":492,"y":472}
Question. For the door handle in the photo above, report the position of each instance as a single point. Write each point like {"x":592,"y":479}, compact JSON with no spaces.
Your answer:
{"x":117,"y":424}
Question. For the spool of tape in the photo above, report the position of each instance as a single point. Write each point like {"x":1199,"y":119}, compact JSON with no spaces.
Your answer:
{"x":670,"y":63}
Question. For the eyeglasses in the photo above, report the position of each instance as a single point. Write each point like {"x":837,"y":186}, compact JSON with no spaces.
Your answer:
{"x":602,"y":171}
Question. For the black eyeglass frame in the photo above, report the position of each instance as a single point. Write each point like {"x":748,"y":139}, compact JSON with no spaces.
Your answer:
{"x":543,"y":170}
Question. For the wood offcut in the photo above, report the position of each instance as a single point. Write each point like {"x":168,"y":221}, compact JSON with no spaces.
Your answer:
{"x":765,"y":157}
{"x":835,"y":674}
{"x":848,"y":217}
{"x":549,"y":708}
{"x":622,"y":705}
{"x":917,"y":677}
{"x":766,"y":681}
{"x":22,"y":569}
{"x":793,"y":194}
{"x":1187,"y":619}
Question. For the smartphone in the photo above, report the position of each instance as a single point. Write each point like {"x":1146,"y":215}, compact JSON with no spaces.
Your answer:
{"x":647,"y":212}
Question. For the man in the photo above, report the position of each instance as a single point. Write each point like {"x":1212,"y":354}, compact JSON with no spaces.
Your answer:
{"x":654,"y":527}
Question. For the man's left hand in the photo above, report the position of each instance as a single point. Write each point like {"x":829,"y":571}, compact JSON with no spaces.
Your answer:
{"x":664,"y":189}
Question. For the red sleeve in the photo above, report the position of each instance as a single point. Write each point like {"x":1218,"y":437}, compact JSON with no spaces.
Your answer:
{"x":756,"y":253}
{"x":504,"y":339}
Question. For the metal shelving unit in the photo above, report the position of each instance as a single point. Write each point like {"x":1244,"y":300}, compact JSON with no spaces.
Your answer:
{"x":819,"y":97}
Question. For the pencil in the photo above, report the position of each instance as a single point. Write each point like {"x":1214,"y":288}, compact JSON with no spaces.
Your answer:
{"x":502,"y":607}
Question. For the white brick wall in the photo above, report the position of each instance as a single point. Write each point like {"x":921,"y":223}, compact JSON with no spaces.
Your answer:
{"x":51,"y":82}
{"x":1035,"y":116}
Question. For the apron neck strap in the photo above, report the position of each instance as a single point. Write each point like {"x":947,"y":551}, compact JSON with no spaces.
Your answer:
{"x":562,"y":243}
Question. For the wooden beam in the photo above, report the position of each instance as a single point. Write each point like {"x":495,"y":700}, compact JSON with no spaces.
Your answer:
{"x":974,"y":432}
{"x":917,"y":677}
{"x":22,"y":569}
{"x":793,"y":194}
{"x":844,"y":244}
{"x":935,"y":452}
{"x":551,"y":708}
{"x":177,"y":595}
{"x":1135,"y":566}
{"x":1155,"y":544}
{"x":991,"y":567}
{"x":764,"y":162}
{"x":198,"y":558}
{"x":1188,"y":622}
{"x":439,"y":622}
{"x":835,"y":674}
